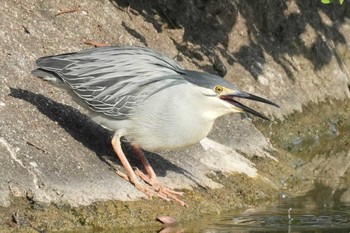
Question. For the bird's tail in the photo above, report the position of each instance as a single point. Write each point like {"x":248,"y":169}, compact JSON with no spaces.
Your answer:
{"x":49,"y":76}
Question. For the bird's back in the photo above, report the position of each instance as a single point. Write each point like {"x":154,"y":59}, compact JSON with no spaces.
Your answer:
{"x":111,"y":79}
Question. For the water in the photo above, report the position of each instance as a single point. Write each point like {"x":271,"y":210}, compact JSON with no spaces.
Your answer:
{"x":295,"y":215}
{"x":325,"y":207}
{"x":283,"y":218}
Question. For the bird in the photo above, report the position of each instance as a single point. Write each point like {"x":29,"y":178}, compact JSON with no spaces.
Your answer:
{"x":148,"y":99}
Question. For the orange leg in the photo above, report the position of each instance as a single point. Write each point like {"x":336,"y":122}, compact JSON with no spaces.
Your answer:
{"x":152,"y":177}
{"x":131,"y":176}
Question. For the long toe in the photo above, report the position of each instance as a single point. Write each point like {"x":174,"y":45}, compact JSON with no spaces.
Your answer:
{"x":170,"y":194}
{"x":161,"y":189}
{"x":149,"y":192}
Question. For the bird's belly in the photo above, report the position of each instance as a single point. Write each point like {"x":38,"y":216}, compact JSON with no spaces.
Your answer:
{"x":174,"y":136}
{"x":171,"y":119}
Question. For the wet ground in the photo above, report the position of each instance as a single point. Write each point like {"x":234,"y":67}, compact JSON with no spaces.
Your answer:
{"x":313,"y":154}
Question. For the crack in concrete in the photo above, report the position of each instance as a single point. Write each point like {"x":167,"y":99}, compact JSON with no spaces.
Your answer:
{"x":18,"y":161}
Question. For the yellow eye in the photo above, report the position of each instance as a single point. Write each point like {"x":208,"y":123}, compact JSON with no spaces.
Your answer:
{"x":218,"y":89}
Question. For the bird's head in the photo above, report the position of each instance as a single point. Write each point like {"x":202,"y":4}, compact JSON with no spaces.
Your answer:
{"x":225,"y":93}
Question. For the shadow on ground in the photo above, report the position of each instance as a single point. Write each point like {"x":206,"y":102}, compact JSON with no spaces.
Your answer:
{"x":273,"y":27}
{"x":90,"y":134}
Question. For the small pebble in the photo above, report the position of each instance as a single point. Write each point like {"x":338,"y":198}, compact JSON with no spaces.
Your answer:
{"x":33,"y":164}
{"x":166,"y":220}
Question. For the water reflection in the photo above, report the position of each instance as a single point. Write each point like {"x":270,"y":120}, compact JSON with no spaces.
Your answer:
{"x":291,"y":215}
{"x":324,"y":208}
{"x":283,"y":218}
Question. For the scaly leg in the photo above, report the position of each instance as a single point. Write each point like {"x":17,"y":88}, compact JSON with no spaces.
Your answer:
{"x":130,"y":174}
{"x":152,"y":177}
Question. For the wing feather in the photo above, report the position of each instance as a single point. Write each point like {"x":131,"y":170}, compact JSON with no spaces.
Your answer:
{"x":112,"y":80}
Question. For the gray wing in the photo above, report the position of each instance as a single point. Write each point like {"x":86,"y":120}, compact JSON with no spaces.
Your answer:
{"x":111,"y":80}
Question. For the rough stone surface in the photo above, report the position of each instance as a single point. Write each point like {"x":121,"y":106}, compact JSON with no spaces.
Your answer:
{"x":294,"y":53}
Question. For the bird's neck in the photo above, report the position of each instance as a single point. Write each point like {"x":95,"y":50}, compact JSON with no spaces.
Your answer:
{"x":214,"y":108}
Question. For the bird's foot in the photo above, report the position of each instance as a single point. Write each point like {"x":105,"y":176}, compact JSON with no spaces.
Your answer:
{"x":156,"y":188}
{"x":161,"y":189}
{"x":155,"y":184}
{"x":148,"y":191}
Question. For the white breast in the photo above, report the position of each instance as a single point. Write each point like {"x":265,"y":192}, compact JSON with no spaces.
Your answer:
{"x":170,"y":120}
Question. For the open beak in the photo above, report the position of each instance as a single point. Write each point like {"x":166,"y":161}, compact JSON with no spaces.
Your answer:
{"x":230,"y":98}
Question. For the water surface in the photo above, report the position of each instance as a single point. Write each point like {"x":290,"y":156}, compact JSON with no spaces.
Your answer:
{"x":296,"y":215}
